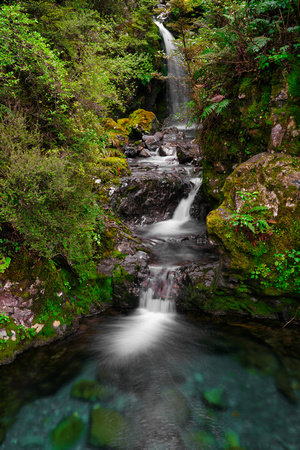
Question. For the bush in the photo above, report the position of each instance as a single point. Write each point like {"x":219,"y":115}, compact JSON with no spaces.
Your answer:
{"x":54,"y":210}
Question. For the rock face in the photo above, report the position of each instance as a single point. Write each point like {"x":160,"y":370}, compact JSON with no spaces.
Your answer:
{"x":149,"y":197}
{"x":265,"y":116}
{"x":257,"y":273}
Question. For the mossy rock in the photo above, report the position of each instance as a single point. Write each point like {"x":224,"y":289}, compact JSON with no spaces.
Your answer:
{"x":90,"y":390}
{"x":276,"y":179}
{"x":67,"y":433}
{"x":108,"y":428}
{"x":232,"y":441}
{"x":214,"y":397}
{"x":117,"y":134}
{"x":141,"y":122}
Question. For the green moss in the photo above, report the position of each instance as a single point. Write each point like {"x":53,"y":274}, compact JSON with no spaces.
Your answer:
{"x":140,"y":122}
{"x":67,"y":433}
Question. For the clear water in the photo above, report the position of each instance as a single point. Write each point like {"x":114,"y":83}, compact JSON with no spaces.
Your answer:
{"x":161,"y":390}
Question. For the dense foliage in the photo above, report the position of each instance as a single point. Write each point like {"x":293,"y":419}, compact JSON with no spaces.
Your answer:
{"x":236,"y":52}
{"x":64,"y":67}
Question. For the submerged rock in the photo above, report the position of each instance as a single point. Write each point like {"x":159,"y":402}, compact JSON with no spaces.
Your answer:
{"x":67,"y":433}
{"x":108,"y":428}
{"x":178,"y":409}
{"x":90,"y":390}
{"x":214,"y":397}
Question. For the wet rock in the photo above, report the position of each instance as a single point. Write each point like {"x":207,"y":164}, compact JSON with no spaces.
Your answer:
{"x":168,"y":149}
{"x":187,"y":151}
{"x":67,"y":433}
{"x":149,"y":197}
{"x":144,"y":153}
{"x":108,"y":428}
{"x":131,"y":151}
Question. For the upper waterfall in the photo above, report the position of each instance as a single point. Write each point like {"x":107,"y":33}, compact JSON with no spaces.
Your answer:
{"x":177,"y":90}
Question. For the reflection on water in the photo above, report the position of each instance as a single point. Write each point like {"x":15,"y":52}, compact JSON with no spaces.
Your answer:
{"x":197,"y":385}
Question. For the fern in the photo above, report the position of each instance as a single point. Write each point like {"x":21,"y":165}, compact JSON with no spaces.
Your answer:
{"x":258,"y":43}
{"x":217,"y":108}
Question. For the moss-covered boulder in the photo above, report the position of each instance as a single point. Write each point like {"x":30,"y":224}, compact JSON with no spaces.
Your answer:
{"x":140,"y":122}
{"x":67,"y":433}
{"x":108,"y":428}
{"x":256,"y":231}
{"x":117,"y":134}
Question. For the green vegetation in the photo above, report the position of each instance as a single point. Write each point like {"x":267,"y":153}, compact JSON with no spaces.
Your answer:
{"x":242,"y":60}
{"x":245,"y":219}
{"x":65,"y":68}
{"x":286,"y":271}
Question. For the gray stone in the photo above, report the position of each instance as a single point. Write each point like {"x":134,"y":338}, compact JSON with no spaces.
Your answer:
{"x":277,"y":134}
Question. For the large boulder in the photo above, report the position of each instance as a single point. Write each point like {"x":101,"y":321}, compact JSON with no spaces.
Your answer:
{"x":256,"y":230}
{"x":140,"y":122}
{"x":149,"y":197}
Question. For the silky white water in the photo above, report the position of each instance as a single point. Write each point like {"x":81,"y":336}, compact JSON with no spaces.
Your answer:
{"x":177,"y":90}
{"x":155,"y":319}
{"x":181,"y":222}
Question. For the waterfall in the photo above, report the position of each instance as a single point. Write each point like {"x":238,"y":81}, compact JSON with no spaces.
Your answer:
{"x":181,"y":222}
{"x":177,"y":91}
{"x":155,"y":318}
{"x":182,"y":212}
{"x":157,"y":297}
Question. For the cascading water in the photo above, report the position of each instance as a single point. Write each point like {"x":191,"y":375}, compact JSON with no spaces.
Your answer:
{"x":177,"y":90}
{"x":181,"y":222}
{"x":155,"y":318}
